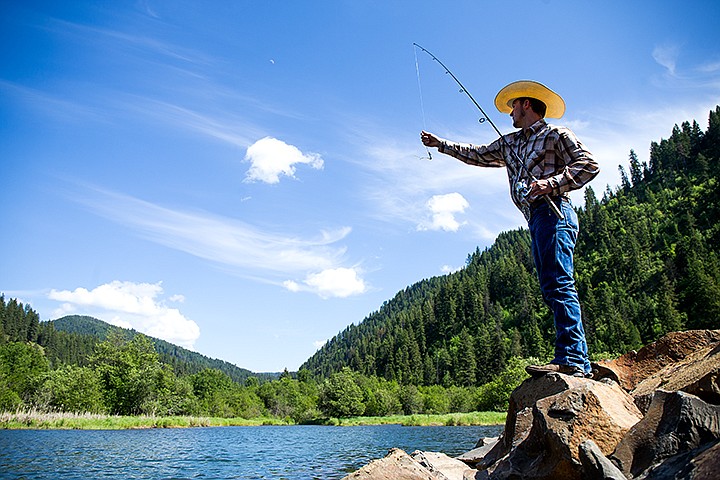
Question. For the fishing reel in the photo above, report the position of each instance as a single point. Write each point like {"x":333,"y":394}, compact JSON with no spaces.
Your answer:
{"x":522,"y":191}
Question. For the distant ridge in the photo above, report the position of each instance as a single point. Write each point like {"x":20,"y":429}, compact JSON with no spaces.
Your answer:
{"x":183,"y":361}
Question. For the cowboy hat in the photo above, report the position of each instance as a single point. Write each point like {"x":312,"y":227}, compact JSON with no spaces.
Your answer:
{"x":528,"y":88}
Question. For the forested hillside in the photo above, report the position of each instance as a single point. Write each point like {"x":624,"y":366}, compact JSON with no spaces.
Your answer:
{"x":646,"y":264}
{"x":43,"y":369}
{"x":183,"y":361}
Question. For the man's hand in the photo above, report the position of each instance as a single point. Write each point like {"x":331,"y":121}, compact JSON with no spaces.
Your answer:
{"x":540,"y":188}
{"x":429,"y":140}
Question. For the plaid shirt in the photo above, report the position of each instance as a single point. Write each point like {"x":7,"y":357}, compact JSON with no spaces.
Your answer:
{"x":549,"y":152}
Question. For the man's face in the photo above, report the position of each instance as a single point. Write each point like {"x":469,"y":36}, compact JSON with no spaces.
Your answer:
{"x":517,"y":114}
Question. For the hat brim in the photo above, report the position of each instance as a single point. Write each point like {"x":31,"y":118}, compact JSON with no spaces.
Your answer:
{"x":528,"y":88}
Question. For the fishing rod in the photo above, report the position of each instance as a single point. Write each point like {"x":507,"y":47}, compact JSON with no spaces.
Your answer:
{"x":522,"y":188}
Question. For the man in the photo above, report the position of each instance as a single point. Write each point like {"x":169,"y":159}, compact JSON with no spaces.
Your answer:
{"x":558,"y":163}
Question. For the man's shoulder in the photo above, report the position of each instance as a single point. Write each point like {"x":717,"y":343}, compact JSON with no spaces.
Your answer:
{"x":555,"y":128}
{"x":558,"y":130}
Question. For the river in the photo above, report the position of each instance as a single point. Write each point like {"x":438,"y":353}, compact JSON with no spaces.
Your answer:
{"x":269,"y":452}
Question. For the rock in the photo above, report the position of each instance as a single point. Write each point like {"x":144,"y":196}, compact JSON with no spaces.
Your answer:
{"x":585,"y":409}
{"x":687,"y":361}
{"x":677,"y":424}
{"x":698,"y":464}
{"x":706,"y":465}
{"x":698,"y":373}
{"x":477,"y":454}
{"x":398,"y":465}
{"x":441,"y":465}
{"x":596,"y":465}
{"x":486,"y":441}
{"x":519,"y":415}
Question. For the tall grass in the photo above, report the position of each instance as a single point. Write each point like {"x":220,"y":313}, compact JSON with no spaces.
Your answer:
{"x":41,"y":420}
{"x":449,"y":419}
{"x":36,"y":419}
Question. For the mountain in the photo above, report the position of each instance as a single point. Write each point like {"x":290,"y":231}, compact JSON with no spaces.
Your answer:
{"x":647,"y":263}
{"x":183,"y":361}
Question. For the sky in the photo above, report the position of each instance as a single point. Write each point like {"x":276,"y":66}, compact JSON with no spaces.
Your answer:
{"x":245,"y":178}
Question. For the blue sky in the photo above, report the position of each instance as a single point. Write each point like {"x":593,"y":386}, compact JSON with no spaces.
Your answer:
{"x":245,"y":178}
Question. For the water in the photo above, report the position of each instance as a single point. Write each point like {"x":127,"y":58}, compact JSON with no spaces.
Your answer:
{"x":297,"y":452}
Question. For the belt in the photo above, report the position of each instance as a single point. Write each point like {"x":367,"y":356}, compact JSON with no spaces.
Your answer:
{"x":541,"y":201}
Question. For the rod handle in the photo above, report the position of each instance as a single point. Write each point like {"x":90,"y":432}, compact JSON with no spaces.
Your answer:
{"x":554,"y":208}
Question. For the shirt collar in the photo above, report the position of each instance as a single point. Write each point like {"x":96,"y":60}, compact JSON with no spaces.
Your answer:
{"x":532,"y":129}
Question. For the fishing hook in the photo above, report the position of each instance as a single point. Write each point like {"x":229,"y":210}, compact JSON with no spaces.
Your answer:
{"x":520,"y":163}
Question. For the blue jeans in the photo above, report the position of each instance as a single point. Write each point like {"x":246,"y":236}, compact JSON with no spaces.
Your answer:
{"x":553,"y":244}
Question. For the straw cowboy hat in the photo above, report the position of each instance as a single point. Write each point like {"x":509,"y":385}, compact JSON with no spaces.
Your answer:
{"x":528,"y":88}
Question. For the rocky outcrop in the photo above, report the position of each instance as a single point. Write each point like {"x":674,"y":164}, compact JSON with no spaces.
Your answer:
{"x":398,"y":465}
{"x":680,"y":361}
{"x":676,"y":428}
{"x":549,"y":448}
{"x":650,"y":414}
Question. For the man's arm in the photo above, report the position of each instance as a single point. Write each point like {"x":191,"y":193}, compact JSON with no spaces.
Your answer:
{"x":478,"y":155}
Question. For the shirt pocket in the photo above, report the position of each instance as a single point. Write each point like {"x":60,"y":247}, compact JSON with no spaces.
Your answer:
{"x":536,"y":162}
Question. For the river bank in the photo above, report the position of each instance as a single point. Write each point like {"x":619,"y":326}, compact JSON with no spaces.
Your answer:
{"x":36,"y":420}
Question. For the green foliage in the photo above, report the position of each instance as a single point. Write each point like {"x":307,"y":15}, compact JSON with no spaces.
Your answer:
{"x":288,"y":398}
{"x":341,"y":396}
{"x":75,"y":389}
{"x":129,"y":372}
{"x":23,"y":367}
{"x":494,"y":395}
{"x":73,"y":337}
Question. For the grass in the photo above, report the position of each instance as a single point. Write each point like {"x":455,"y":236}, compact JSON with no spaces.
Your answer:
{"x":449,"y":419}
{"x":38,"y":420}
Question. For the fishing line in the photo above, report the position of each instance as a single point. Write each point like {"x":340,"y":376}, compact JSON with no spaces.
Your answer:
{"x":519,"y":163}
{"x":422,"y":105}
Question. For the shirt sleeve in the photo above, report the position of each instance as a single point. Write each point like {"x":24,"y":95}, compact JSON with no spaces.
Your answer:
{"x":490,"y":155}
{"x":580,"y":165}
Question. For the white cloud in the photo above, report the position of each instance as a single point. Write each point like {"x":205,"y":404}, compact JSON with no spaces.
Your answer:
{"x":447,"y":269}
{"x":443,"y":209}
{"x":270,"y":158}
{"x":131,"y":305}
{"x":666,"y":56}
{"x":332,"y":282}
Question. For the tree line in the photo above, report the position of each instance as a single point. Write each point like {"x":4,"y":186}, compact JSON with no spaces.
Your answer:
{"x":125,"y":375}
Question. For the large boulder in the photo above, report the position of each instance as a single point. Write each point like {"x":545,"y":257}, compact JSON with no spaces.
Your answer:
{"x":676,"y":428}
{"x":550,"y":448}
{"x":687,"y":361}
{"x":596,"y":465}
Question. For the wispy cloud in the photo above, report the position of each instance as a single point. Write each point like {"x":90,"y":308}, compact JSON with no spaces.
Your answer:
{"x":131,"y":305}
{"x":225,"y":127}
{"x":109,"y":38}
{"x":246,"y":249}
{"x":682,"y":72}
{"x":666,"y":55}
